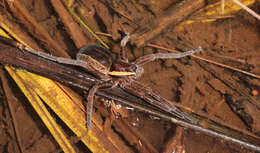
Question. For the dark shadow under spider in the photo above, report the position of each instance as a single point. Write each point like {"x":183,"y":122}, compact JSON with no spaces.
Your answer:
{"x":98,"y":61}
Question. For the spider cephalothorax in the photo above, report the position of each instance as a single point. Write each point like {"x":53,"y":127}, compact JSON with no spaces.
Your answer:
{"x":102,"y":61}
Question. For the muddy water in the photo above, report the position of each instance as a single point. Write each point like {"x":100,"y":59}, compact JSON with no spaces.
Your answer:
{"x":233,"y":41}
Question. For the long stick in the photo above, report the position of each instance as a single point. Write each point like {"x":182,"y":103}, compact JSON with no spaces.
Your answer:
{"x":250,"y":11}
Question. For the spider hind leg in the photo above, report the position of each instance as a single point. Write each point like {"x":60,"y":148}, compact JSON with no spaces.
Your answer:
{"x":90,"y":99}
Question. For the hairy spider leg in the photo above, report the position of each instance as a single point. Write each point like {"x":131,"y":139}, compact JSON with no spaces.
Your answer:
{"x":84,"y":64}
{"x":151,"y":57}
{"x":123,"y":51}
{"x":61,"y":60}
{"x":43,"y":55}
{"x":90,"y":99}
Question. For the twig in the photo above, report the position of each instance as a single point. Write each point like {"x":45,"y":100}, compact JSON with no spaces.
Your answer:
{"x":211,"y":17}
{"x":104,"y":34}
{"x":250,"y":11}
{"x":73,"y":28}
{"x":83,"y":24}
{"x":227,"y":66}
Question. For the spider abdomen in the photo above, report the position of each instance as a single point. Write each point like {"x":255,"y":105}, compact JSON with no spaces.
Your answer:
{"x":98,"y":57}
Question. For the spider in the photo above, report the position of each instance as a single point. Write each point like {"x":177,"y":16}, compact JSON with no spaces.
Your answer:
{"x":98,"y":61}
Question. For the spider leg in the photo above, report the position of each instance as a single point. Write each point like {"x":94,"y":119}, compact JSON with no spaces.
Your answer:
{"x":123,"y":51}
{"x":151,"y":57}
{"x":84,"y":64}
{"x":90,"y":99}
{"x":61,"y":60}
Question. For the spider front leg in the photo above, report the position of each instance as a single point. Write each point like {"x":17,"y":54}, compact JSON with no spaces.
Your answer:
{"x":90,"y":99}
{"x":151,"y":57}
{"x":83,"y":60}
{"x":123,"y":52}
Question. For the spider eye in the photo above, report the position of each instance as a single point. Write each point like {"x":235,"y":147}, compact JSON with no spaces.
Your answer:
{"x":99,"y":56}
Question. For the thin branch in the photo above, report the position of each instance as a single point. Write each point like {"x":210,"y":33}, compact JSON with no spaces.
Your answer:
{"x":250,"y":11}
{"x":222,"y":6}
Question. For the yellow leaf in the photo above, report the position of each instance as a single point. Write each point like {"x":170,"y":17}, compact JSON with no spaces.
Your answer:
{"x":39,"y":107}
